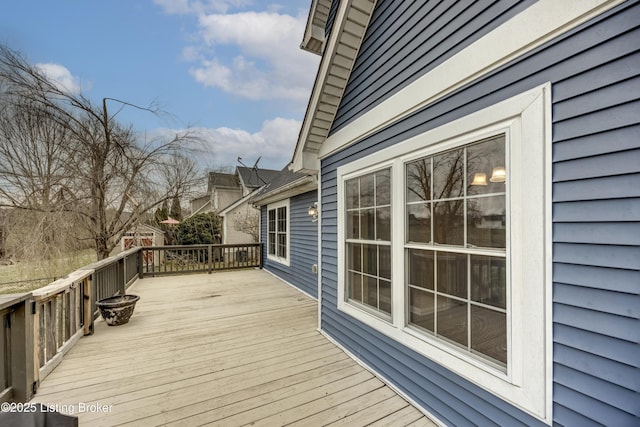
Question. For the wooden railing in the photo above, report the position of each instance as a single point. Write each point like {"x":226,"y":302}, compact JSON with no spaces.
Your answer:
{"x":161,"y":260}
{"x":39,"y":328}
{"x":42,"y":326}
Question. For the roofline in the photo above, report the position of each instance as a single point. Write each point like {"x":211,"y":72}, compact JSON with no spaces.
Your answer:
{"x":294,"y":188}
{"x":197,"y":211}
{"x":236,"y":204}
{"x":314,"y":33}
{"x":349,"y":28}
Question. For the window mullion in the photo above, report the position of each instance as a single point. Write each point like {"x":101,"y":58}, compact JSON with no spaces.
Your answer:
{"x":399,"y":310}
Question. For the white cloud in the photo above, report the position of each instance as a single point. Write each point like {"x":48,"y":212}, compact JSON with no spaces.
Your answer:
{"x":61,"y":76}
{"x":199,"y":6}
{"x":222,"y":146}
{"x":268,"y":63}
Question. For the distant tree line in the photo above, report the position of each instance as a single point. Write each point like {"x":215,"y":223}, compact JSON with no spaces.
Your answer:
{"x":70,"y":173}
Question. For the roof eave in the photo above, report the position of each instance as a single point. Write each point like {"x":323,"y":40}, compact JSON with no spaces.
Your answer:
{"x":314,"y":33}
{"x":349,"y":28}
{"x":299,"y":186}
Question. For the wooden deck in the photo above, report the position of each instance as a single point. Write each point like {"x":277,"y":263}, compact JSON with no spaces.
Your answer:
{"x":230,"y":348}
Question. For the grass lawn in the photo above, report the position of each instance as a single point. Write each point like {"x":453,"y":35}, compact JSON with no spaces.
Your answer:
{"x":29,"y":275}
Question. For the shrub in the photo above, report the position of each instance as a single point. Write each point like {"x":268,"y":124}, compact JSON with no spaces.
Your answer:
{"x":200,"y":229}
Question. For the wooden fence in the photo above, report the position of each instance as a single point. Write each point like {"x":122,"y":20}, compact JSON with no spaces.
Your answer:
{"x":40,"y":327}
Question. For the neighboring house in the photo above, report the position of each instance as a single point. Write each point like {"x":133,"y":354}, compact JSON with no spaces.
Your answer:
{"x":288,"y":231}
{"x":228,"y":195}
{"x":479,"y":176}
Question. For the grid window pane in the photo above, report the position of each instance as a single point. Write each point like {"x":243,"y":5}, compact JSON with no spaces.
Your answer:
{"x":489,"y":280}
{"x":370,"y":291}
{"x":448,"y":174}
{"x":448,"y":222}
{"x":419,"y":180}
{"x":368,"y":224}
{"x":384,"y":289}
{"x":282,"y":219}
{"x":383,"y":187}
{"x":370,"y":259}
{"x":353,"y":225}
{"x":489,"y":333}
{"x":367,"y":191}
{"x":384,"y":262}
{"x":272,"y":243}
{"x":272,"y":220}
{"x":452,"y":274}
{"x":419,"y":223}
{"x":452,"y":319}
{"x":485,"y":164}
{"x":421,"y":268}
{"x":383,"y":224}
{"x":354,"y":251}
{"x":355,"y":286}
{"x":353,"y":194}
{"x":421,"y":309}
{"x":282,"y":245}
{"x":486,"y":222}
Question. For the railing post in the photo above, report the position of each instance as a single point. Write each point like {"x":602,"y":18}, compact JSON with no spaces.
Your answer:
{"x":210,"y":256}
{"x":88,"y":305}
{"x":22,"y":370}
{"x":124,"y":275}
{"x":140,"y":268}
{"x":122,"y":278}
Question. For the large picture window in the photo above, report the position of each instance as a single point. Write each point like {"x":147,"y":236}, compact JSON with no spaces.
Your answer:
{"x":444,"y":246}
{"x":278,"y":232}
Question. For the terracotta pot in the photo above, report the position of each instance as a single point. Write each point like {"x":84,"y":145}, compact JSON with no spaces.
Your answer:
{"x":117,"y":310}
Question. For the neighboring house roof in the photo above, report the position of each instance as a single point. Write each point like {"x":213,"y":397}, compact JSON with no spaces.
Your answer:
{"x":200,"y":209}
{"x":253,"y":178}
{"x":249,"y":179}
{"x":218,"y":179}
{"x":285,"y":185}
{"x":336,"y":65}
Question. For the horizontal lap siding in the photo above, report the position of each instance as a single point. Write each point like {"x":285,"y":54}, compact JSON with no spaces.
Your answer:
{"x":405,"y":39}
{"x":596,"y":223}
{"x":303,"y":250}
{"x":332,"y":17}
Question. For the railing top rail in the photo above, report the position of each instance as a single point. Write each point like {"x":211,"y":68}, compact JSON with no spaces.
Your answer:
{"x":230,"y":245}
{"x":9,"y":300}
{"x":62,"y":284}
{"x":108,"y":261}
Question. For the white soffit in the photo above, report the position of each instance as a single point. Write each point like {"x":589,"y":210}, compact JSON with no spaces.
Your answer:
{"x":350,"y":25}
{"x":313,"y":39}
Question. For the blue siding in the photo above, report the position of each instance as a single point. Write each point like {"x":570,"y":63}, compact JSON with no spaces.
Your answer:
{"x":407,"y":38}
{"x":331,"y":18}
{"x":594,"y":72}
{"x":303,"y":250}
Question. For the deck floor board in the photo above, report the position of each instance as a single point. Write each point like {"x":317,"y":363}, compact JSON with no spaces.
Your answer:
{"x":232,"y":348}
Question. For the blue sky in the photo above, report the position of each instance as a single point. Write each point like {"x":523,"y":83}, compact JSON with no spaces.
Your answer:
{"x":230,"y":69}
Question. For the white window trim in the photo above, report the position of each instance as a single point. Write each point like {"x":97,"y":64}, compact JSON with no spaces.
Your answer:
{"x":526,"y":118}
{"x":275,"y":258}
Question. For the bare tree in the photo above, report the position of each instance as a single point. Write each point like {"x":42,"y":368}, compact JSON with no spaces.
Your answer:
{"x":248,"y":222}
{"x":97,"y":170}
